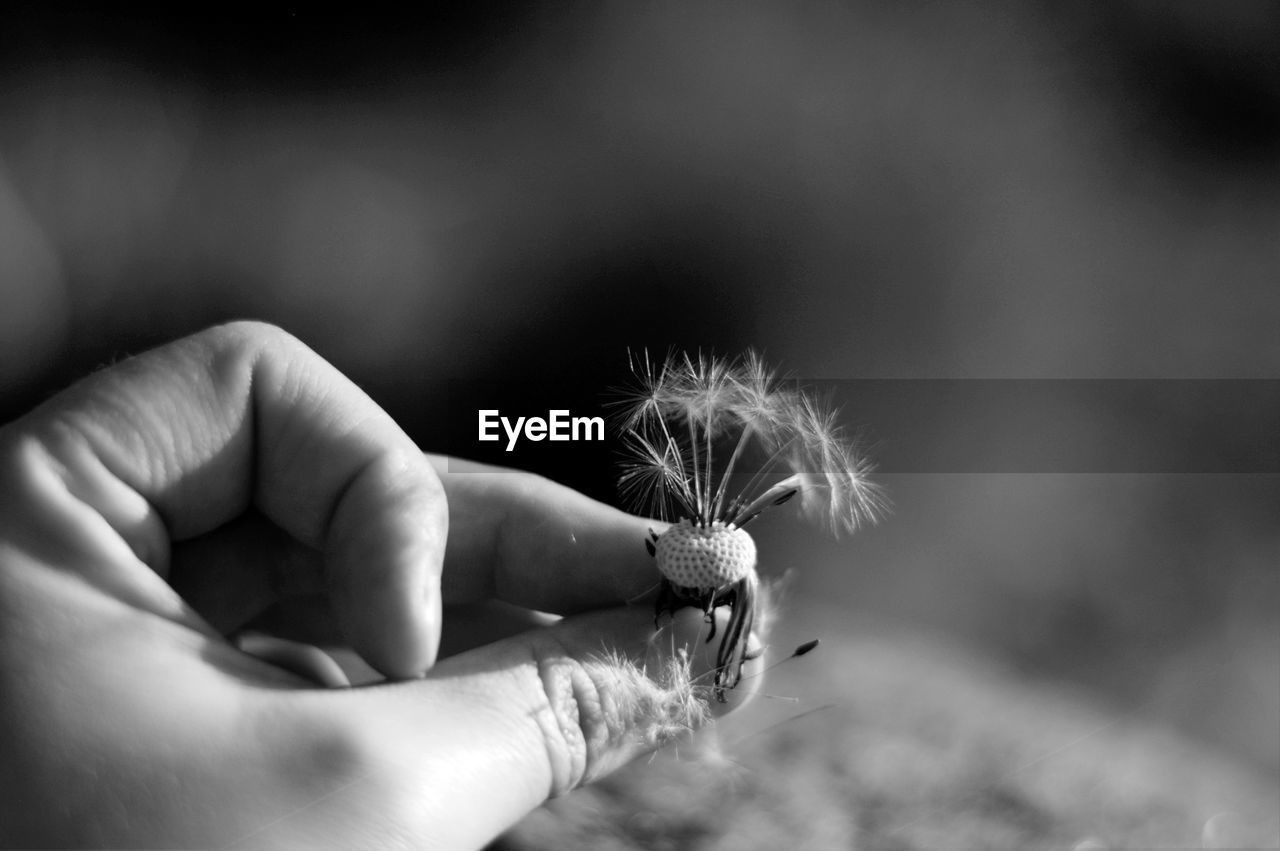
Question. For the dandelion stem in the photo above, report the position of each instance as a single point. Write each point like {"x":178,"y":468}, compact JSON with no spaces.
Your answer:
{"x":791,"y":483}
{"x":743,"y":440}
{"x":673,"y":447}
{"x":706,"y":427}
{"x":697,"y":480}
{"x":744,"y":496}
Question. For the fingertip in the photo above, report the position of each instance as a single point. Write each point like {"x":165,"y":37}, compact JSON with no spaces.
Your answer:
{"x":433,"y":619}
{"x":305,"y":660}
{"x":686,"y":634}
{"x":394,"y":624}
{"x":384,"y":558}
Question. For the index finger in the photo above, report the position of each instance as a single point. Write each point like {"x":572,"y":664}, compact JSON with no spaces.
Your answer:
{"x":526,"y":540}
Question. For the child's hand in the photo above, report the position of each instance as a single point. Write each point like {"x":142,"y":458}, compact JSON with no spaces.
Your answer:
{"x":162,"y":503}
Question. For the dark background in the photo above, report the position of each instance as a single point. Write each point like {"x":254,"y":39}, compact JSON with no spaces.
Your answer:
{"x":892,"y":200}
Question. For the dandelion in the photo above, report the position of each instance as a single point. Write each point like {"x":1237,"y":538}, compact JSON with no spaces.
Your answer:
{"x":711,"y":444}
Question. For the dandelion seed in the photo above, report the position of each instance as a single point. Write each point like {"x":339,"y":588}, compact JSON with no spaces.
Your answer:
{"x":668,"y":701}
{"x":712,"y":444}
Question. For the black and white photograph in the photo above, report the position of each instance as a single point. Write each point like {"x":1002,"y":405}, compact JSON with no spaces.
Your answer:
{"x":655,"y":426}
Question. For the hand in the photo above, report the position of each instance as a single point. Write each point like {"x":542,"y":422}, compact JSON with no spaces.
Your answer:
{"x":166,"y":502}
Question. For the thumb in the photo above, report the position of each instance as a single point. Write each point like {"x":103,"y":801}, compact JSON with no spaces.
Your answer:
{"x":489,"y":735}
{"x":597,"y":689}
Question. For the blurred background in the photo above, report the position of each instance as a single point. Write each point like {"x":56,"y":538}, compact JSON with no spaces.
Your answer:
{"x":896,"y":199}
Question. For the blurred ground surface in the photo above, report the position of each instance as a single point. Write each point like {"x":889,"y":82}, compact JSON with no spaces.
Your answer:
{"x":912,"y":744}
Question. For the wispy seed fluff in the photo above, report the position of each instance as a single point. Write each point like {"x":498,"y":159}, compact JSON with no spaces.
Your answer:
{"x":709,"y":439}
{"x":663,"y":704}
{"x":710,"y":445}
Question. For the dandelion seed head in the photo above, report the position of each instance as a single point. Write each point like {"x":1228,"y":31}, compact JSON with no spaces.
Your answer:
{"x":690,"y":422}
{"x":711,"y":445}
{"x":707,"y":557}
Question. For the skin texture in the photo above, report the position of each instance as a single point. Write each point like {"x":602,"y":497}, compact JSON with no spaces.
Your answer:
{"x":232,"y":478}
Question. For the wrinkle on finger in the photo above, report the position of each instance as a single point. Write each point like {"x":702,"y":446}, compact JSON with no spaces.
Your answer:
{"x":604,"y":709}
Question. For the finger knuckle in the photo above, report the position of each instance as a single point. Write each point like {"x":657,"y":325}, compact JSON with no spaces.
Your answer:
{"x":251,"y":332}
{"x":588,"y":718}
{"x":565,"y":717}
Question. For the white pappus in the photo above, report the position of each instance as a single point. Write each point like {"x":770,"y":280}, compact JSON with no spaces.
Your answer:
{"x":710,"y":444}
